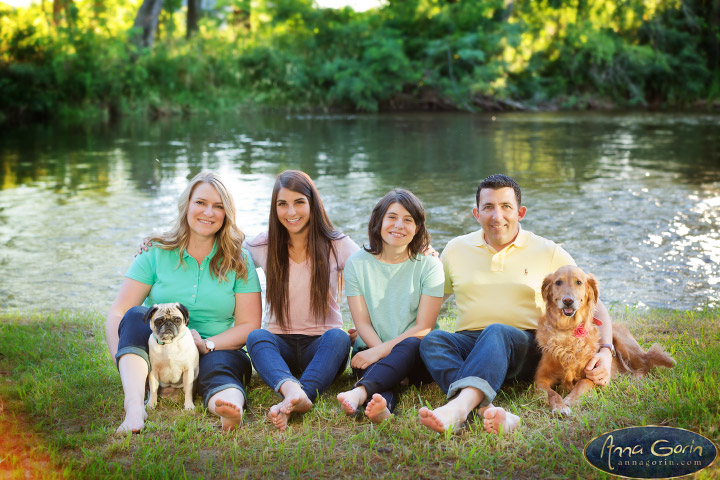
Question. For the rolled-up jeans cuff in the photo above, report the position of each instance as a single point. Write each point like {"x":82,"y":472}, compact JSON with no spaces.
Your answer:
{"x":209,"y":394}
{"x":475,"y":382}
{"x":286,"y":379}
{"x":135,"y":351}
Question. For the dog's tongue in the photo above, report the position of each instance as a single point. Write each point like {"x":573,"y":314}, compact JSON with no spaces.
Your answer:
{"x":568,"y":311}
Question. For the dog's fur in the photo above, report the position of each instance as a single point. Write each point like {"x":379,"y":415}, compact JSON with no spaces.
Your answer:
{"x":570,"y":298}
{"x":174,"y":363}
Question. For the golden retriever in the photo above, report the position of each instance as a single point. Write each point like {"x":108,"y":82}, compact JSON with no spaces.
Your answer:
{"x":569,"y":337}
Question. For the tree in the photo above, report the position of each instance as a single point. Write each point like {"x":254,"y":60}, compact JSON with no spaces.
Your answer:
{"x":146,"y":23}
{"x":194,"y":11}
{"x":66,"y":6}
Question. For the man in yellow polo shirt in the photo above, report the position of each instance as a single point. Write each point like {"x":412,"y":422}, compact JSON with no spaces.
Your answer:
{"x":495,"y":275}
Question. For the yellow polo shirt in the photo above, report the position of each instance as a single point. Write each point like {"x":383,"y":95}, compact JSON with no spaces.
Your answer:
{"x":500,"y":287}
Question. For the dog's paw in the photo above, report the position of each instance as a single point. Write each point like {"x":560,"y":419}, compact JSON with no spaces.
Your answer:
{"x":189,"y":406}
{"x":561,"y":410}
{"x":151,"y":403}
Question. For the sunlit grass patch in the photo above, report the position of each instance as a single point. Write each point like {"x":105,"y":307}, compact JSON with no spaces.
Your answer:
{"x":57,"y":370}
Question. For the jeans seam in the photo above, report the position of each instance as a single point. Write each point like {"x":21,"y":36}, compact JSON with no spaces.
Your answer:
{"x":283,"y":380}
{"x":220,"y":388}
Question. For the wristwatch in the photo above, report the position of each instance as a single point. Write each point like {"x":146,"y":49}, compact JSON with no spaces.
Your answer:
{"x":210,"y":345}
{"x":609,"y":346}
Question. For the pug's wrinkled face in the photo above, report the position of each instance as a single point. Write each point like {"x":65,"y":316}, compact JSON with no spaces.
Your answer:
{"x":167,"y":320}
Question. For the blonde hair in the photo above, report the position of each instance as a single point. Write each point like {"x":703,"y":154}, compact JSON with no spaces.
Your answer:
{"x":228,"y":255}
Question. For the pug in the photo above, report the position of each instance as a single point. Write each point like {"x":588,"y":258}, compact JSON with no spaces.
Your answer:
{"x":174,"y":358}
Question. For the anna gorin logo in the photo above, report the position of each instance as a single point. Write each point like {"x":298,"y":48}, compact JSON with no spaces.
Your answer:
{"x":650,"y":452}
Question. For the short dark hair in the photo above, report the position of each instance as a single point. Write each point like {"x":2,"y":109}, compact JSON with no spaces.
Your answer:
{"x":497,"y":182}
{"x":414,"y":206}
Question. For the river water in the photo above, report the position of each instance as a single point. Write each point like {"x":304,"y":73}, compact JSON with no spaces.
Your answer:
{"x":635,"y":198}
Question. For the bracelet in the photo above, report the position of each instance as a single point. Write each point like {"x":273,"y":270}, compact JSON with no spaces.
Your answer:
{"x":609,"y":346}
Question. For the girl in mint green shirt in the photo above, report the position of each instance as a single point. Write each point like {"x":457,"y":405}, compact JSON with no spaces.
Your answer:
{"x":394,"y":293}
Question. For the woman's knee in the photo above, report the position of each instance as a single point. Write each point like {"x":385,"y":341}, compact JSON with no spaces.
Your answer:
{"x":259,"y":335}
{"x":136,"y":313}
{"x":410,"y":342}
{"x":337,"y":336}
{"x":226,"y":365}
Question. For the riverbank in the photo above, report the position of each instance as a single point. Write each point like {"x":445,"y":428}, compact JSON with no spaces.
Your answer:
{"x":56,"y":369}
{"x":467,"y":56}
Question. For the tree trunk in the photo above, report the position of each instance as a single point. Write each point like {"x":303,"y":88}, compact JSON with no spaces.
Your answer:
{"x":194,"y":11}
{"x":60,"y":6}
{"x":146,"y":23}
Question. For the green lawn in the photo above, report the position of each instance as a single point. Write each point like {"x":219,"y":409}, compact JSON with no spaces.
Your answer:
{"x":58,"y":375}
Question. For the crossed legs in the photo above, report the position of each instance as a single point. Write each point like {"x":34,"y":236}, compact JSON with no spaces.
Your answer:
{"x":470,"y":367}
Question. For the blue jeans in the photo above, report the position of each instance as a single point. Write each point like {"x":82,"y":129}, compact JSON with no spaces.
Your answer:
{"x":386,"y":374}
{"x":219,"y":370}
{"x":316,"y":359}
{"x":482,"y":359}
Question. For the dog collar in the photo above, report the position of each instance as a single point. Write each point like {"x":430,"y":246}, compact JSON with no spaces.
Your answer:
{"x":580,"y":331}
{"x":176,"y":338}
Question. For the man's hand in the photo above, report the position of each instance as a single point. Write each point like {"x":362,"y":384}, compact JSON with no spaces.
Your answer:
{"x":364,"y":359}
{"x":599,"y":367}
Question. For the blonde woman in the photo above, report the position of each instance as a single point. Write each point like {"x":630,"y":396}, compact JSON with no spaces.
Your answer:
{"x":201,"y":264}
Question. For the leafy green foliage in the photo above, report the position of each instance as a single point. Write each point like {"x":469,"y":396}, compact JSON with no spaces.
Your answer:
{"x":290,"y":53}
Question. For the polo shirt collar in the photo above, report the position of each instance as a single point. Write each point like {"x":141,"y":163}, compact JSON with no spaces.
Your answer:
{"x":520,"y":241}
{"x":206,"y":259}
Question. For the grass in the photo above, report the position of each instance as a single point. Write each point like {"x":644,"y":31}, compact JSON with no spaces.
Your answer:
{"x":59,"y":383}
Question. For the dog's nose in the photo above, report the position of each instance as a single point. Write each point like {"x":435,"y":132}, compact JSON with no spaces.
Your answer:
{"x":568,"y":301}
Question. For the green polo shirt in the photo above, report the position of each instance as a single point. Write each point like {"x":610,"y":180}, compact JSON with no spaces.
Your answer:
{"x":211,"y":303}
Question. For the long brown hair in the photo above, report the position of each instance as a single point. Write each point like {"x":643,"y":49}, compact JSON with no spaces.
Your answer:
{"x":319,"y":249}
{"x":228,"y":254}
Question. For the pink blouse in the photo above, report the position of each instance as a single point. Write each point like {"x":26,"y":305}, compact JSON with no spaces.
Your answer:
{"x":300,"y":318}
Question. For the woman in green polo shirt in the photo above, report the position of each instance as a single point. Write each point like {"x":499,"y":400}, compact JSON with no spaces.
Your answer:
{"x":201,"y":264}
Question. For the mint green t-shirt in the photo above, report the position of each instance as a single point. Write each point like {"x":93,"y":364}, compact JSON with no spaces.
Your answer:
{"x":211,"y":303}
{"x":392,"y":291}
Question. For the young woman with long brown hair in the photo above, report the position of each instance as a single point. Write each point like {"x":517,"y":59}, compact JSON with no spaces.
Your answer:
{"x":303,"y":346}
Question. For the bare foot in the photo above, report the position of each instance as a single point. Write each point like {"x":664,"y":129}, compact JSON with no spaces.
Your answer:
{"x":229,"y":413}
{"x":497,"y":420}
{"x":442,"y":419}
{"x":350,"y":400}
{"x":278,"y":419}
{"x":377,"y":410}
{"x":134,"y":420}
{"x":296,"y":402}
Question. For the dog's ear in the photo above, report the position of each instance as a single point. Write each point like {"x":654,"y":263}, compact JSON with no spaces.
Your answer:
{"x":592,"y":290}
{"x":184,"y":310}
{"x":547,"y":287}
{"x":148,"y":315}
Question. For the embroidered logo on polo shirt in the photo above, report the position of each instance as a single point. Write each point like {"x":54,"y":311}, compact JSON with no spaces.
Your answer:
{"x":526,"y":272}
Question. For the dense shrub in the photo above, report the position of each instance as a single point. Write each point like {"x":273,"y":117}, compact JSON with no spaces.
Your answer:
{"x":289,"y":53}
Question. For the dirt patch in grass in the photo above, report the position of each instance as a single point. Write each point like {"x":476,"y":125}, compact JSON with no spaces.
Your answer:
{"x":22,"y":453}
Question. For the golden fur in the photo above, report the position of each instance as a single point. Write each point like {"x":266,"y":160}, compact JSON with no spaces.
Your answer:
{"x":570,"y":298}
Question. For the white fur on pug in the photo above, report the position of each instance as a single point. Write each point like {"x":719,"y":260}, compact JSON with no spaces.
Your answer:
{"x":174,"y":358}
